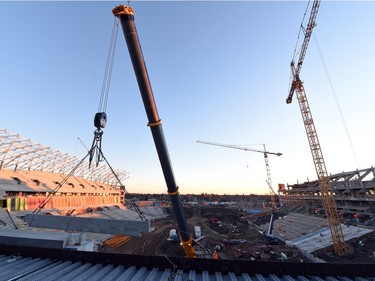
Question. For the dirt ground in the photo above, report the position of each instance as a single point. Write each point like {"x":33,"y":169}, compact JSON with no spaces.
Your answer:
{"x":361,"y":250}
{"x":152,"y":243}
{"x":237,"y":239}
{"x":220,"y":227}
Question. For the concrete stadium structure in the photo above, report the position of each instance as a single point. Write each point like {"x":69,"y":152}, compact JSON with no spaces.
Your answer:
{"x":29,"y":172}
{"x":354,"y":194}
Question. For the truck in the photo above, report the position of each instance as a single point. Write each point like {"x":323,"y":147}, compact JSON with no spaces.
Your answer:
{"x":197,"y":231}
{"x":173,"y":236}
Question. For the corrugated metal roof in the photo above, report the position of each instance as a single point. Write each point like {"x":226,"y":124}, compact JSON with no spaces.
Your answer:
{"x":27,"y":268}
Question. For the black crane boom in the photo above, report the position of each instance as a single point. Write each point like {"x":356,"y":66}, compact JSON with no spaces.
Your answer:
{"x":126,"y":16}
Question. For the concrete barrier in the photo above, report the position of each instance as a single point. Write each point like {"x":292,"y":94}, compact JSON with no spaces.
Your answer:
{"x":96,"y":225}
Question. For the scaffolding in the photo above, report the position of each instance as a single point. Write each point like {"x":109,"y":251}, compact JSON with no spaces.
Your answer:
{"x":20,"y":154}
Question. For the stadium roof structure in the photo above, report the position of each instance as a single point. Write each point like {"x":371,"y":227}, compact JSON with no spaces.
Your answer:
{"x":23,"y":263}
{"x":18,"y":153}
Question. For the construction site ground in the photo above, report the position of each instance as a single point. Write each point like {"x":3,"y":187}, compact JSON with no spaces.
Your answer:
{"x":215,"y":233}
{"x":237,"y":237}
{"x":240,"y":236}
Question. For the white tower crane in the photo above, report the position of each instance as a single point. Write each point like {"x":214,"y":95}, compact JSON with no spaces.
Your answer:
{"x":265,"y":153}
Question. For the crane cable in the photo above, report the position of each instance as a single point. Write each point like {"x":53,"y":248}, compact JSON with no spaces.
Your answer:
{"x":59,"y":185}
{"x":100,"y":119}
{"x":132,"y":201}
{"x":109,"y":66}
{"x":295,"y":52}
{"x":71,"y":173}
{"x":135,"y":206}
{"x":336,"y":100}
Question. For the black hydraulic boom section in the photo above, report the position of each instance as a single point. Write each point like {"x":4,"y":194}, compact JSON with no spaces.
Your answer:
{"x":126,"y":16}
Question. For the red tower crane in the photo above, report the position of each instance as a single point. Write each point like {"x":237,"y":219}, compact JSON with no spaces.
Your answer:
{"x":327,"y":194}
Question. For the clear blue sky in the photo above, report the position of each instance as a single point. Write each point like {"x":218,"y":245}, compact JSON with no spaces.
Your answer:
{"x":220,"y":72}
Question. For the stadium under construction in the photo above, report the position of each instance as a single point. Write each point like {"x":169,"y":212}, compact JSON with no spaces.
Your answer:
{"x":322,"y":229}
{"x":354,"y":193}
{"x":30,"y":173}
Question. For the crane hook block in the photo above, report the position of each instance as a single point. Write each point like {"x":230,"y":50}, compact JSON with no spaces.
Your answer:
{"x":100,"y":120}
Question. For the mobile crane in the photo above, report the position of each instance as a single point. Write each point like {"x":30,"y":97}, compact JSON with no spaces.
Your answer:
{"x":275,"y":211}
{"x":126,"y":16}
{"x":339,"y":245}
{"x":265,"y":153}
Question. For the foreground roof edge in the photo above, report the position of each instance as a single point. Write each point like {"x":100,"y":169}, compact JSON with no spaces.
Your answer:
{"x":198,"y":265}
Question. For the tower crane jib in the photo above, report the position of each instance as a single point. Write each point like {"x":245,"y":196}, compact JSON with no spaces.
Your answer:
{"x":308,"y":31}
{"x":265,"y":153}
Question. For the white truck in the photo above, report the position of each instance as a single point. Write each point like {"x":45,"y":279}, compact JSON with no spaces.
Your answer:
{"x":173,"y":235}
{"x":197,"y":231}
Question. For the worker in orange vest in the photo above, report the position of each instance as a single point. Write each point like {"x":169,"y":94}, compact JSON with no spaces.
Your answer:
{"x":215,"y":255}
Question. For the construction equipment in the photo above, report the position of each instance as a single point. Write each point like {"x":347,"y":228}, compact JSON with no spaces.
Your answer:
{"x":275,"y":210}
{"x":126,"y":16}
{"x":173,"y":235}
{"x":265,"y":153}
{"x":197,"y":231}
{"x":327,"y":195}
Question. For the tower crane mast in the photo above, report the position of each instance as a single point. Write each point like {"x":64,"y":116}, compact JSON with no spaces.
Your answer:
{"x":265,"y":153}
{"x":327,"y":195}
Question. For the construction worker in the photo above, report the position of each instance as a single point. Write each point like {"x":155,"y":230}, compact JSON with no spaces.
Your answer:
{"x":215,"y":255}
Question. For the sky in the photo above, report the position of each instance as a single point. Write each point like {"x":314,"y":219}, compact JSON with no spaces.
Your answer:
{"x":219,"y":71}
